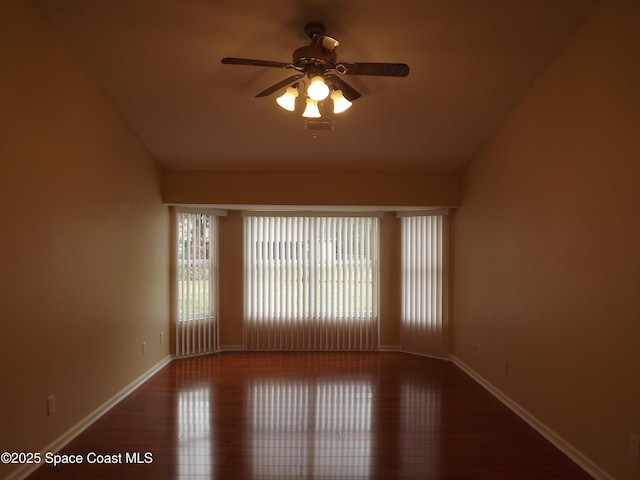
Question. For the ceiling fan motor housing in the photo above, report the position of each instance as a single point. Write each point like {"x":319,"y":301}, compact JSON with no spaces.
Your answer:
{"x":314,"y":55}
{"x":319,"y":59}
{"x":314,"y":27}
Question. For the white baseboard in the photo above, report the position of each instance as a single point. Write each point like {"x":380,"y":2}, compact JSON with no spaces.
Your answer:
{"x":569,"y":450}
{"x":231,"y":348}
{"x":426,"y":355}
{"x":389,"y":348}
{"x":87,"y":421}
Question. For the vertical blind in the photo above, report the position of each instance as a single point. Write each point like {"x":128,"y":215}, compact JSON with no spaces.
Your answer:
{"x":311,"y":283}
{"x":423,"y":326}
{"x":196,"y":288}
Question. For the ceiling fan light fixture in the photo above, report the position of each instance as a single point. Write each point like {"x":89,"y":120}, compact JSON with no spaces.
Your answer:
{"x":316,"y":66}
{"x":329,"y":43}
{"x":340,"y":104}
{"x":317,"y":89}
{"x":288,"y":99}
{"x":312,"y":109}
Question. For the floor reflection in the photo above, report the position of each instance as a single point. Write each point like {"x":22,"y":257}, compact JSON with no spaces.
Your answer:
{"x":420,"y":427}
{"x":194,"y":432}
{"x":314,"y":415}
{"x":302,"y":428}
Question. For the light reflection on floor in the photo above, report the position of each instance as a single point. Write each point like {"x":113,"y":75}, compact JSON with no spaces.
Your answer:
{"x":420,"y":425}
{"x":301,"y":428}
{"x":194,"y":432}
{"x":315,"y":415}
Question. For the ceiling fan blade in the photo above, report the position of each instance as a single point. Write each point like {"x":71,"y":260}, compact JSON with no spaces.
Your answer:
{"x":378,"y":69}
{"x":254,"y":63}
{"x":348,"y":91}
{"x":284,"y":83}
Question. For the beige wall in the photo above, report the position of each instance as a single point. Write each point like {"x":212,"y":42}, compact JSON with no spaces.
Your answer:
{"x":84,"y":240}
{"x":312,"y":188}
{"x":231,"y":280}
{"x":547,"y":257}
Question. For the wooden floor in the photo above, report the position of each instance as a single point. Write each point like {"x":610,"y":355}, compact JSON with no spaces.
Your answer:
{"x":313,"y":415}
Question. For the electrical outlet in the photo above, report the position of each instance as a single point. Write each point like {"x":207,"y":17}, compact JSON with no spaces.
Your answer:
{"x":506,"y":366}
{"x":51,"y":405}
{"x":161,"y":338}
{"x":144,"y":348}
{"x":634,"y":445}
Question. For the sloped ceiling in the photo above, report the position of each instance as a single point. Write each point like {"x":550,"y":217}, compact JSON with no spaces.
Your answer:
{"x":159,"y":60}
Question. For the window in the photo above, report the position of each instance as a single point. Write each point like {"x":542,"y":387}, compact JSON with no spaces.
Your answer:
{"x":423,"y":284}
{"x":196,"y":283}
{"x":311,"y":282}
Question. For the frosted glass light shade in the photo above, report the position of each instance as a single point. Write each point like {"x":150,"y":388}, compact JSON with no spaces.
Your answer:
{"x":288,"y":99}
{"x":317,"y":89}
{"x":340,"y":104}
{"x":312,"y":109}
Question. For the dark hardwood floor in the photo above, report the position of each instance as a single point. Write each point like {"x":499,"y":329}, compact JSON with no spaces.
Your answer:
{"x":312,"y":415}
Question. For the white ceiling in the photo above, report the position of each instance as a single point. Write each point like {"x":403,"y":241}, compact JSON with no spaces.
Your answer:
{"x":159,"y":60}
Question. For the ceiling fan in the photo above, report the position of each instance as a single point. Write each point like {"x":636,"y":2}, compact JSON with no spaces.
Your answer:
{"x":319,"y":71}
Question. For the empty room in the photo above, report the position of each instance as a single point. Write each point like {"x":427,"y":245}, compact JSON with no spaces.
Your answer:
{"x":320,"y":239}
